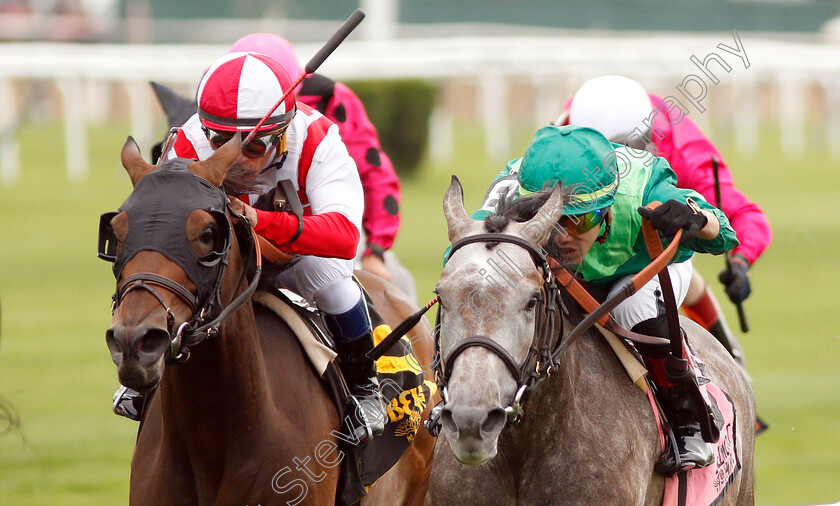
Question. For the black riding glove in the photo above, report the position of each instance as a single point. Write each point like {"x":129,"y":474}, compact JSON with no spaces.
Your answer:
{"x":674,"y":215}
{"x":736,"y":280}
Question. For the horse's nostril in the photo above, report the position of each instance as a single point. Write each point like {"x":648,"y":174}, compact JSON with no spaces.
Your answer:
{"x":109,"y":338}
{"x":117,"y":341}
{"x":153,"y":340}
{"x":446,"y":420}
{"x":494,"y":422}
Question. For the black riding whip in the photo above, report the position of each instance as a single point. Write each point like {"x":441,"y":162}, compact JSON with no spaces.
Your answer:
{"x":742,"y":317}
{"x":312,"y":65}
{"x":400,"y":331}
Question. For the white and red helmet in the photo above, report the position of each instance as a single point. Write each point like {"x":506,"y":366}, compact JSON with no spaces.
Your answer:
{"x":239,"y":89}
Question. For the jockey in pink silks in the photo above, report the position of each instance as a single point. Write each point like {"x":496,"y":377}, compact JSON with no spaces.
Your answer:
{"x":381,"y":219}
{"x":625,"y":113}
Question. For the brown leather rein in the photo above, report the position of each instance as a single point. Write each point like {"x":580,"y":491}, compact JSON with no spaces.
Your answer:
{"x":600,"y":313}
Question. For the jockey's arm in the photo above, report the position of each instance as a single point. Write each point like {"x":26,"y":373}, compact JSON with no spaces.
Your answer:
{"x":336,"y":202}
{"x":717,"y":235}
{"x":692,"y":162}
{"x":712,"y":227}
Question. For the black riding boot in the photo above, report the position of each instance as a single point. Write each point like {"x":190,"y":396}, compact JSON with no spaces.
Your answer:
{"x":353,"y":339}
{"x":676,"y":400}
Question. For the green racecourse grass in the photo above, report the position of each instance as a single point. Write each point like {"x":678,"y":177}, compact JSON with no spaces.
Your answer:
{"x":55,"y":367}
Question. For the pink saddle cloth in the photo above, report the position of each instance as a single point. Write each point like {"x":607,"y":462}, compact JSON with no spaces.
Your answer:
{"x":707,"y":485}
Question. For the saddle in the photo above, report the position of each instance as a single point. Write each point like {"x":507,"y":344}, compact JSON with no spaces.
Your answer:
{"x":401,"y":380}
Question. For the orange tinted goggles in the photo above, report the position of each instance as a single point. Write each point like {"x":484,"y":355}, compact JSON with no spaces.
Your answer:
{"x":579,"y":223}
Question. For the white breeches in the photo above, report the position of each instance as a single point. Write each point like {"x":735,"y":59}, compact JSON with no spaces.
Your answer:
{"x":648,"y":302}
{"x":326,"y":282}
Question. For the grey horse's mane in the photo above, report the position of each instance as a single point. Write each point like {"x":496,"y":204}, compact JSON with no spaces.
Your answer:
{"x":519,"y":210}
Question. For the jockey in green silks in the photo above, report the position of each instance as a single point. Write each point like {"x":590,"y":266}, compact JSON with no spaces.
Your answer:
{"x":601,"y":241}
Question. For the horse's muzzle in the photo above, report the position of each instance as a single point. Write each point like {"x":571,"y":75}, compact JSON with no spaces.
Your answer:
{"x":138,"y":352}
{"x":473,"y":432}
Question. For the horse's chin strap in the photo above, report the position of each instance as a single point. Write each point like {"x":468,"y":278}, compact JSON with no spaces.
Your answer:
{"x":191,"y":330}
{"x":147,"y":281}
{"x":539,"y":363}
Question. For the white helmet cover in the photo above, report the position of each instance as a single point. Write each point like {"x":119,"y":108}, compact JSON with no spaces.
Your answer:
{"x":613,"y":105}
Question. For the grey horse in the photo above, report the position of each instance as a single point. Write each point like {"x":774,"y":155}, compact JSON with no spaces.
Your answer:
{"x":588,"y":435}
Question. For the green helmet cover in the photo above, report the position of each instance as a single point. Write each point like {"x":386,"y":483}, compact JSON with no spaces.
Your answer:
{"x":580,"y":158}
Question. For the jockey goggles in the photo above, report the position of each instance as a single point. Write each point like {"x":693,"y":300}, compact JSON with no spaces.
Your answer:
{"x":258,"y":146}
{"x":577,"y":224}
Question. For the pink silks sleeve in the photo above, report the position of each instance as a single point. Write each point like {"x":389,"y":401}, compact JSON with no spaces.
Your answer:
{"x":690,"y":153}
{"x":381,"y":219}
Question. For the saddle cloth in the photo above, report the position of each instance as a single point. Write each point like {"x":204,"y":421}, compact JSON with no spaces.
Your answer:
{"x":401,"y":378}
{"x":697,"y":487}
{"x":406,"y":391}
{"x":319,"y":354}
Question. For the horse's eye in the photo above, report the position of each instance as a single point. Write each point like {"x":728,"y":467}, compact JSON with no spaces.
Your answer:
{"x":532,"y":303}
{"x":208,"y":235}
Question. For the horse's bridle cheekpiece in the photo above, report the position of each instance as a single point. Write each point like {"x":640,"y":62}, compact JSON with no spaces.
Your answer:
{"x":157,"y":210}
{"x":540,"y":361}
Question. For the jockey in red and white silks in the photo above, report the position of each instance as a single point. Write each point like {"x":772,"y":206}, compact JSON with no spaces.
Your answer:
{"x":381,"y":219}
{"x":300,"y":144}
{"x":317,"y":163}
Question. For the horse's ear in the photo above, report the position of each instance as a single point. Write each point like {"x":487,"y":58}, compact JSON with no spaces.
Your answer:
{"x":538,"y":229}
{"x":133,"y":161}
{"x":215,"y":168}
{"x":453,"y":209}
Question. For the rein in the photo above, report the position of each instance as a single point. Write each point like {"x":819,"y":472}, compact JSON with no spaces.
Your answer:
{"x":659,"y":262}
{"x":211,"y":328}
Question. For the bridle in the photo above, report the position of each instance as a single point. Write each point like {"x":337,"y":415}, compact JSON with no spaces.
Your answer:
{"x":206,"y":317}
{"x":541,"y":360}
{"x":206,"y":307}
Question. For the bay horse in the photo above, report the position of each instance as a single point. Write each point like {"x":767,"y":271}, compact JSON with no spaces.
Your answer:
{"x":588,"y":435}
{"x":246,"y":420}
